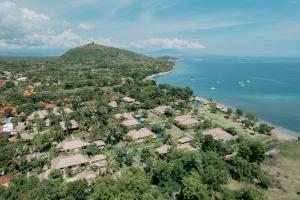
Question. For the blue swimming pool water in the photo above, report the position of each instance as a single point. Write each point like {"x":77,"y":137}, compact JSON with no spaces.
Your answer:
{"x":160,"y":137}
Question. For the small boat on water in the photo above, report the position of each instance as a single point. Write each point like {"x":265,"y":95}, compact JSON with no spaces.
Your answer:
{"x":212,"y":88}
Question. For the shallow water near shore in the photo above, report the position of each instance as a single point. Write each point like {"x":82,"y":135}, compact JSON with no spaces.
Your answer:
{"x":268,"y":87}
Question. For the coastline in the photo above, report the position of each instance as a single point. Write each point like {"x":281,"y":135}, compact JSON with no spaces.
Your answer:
{"x":151,"y":77}
{"x":281,"y":132}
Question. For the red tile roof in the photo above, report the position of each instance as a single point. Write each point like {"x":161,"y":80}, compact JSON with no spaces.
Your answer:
{"x":48,"y":105}
{"x":2,"y":83}
{"x":2,"y":109}
{"x":4,"y":180}
{"x":1,"y":131}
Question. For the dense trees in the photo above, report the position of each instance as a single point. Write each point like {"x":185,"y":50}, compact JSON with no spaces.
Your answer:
{"x":193,"y":189}
{"x":132,"y":185}
{"x":209,"y":144}
{"x":264,"y":128}
{"x":252,"y":151}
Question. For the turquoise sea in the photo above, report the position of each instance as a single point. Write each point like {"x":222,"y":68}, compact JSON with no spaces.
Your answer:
{"x":267,"y":87}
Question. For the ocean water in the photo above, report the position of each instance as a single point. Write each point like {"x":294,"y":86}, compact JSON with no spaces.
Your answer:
{"x":267,"y":87}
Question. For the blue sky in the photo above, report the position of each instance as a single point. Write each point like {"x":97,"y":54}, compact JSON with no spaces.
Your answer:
{"x":219,"y":27}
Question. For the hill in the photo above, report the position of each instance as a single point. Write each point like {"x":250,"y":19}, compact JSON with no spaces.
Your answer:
{"x":103,"y":56}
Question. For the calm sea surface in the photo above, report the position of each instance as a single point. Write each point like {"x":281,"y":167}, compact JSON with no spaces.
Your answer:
{"x":268,"y":87}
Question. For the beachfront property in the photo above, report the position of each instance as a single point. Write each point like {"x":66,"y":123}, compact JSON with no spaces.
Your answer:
{"x":72,"y":126}
{"x":186,"y":120}
{"x":222,"y":107}
{"x":140,"y":134}
{"x":72,"y":145}
{"x":160,"y":110}
{"x":201,"y":100}
{"x":219,"y":134}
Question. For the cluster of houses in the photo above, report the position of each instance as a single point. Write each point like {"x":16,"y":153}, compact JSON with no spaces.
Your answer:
{"x":70,"y":152}
{"x":8,"y":129}
{"x":71,"y":158}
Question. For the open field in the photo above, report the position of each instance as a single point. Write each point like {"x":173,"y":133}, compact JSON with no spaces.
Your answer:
{"x":285,"y":167}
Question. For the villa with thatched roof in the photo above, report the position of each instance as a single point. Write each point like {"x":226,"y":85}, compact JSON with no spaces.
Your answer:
{"x":41,"y":114}
{"x":140,"y":134}
{"x":186,"y":120}
{"x":164,"y":149}
{"x":62,"y":162}
{"x":222,"y":107}
{"x":72,"y":145}
{"x":219,"y":134}
{"x":99,"y":160}
{"x":128,"y":99}
{"x":73,"y":125}
{"x":26,"y":136}
{"x":113,"y":104}
{"x":184,"y":144}
{"x":58,"y":111}
{"x":201,"y":100}
{"x":99,"y":143}
{"x":128,"y":119}
{"x":160,"y":110}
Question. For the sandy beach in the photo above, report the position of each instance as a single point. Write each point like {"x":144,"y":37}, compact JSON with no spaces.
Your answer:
{"x":283,"y":134}
{"x":151,"y":77}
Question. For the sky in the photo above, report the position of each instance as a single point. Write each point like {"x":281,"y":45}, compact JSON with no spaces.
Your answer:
{"x":204,"y":27}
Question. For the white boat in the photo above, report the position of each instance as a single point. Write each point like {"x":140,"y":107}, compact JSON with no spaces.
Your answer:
{"x":212,"y":88}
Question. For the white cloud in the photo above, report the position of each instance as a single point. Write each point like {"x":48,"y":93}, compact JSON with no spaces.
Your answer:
{"x":167,"y":43}
{"x":25,"y":28}
{"x":85,"y":26}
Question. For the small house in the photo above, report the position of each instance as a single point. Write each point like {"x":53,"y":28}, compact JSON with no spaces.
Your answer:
{"x":71,"y":161}
{"x":186,"y":120}
{"x":72,"y":126}
{"x":219,"y":134}
{"x":72,"y":145}
{"x":140,"y":134}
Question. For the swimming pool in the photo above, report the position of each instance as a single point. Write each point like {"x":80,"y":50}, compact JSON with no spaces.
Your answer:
{"x":160,"y":137}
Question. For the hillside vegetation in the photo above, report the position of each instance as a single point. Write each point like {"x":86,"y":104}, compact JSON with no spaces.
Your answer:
{"x":103,"y":56}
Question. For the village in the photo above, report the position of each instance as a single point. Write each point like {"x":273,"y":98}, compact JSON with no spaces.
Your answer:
{"x":78,"y":120}
{"x":160,"y":130}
